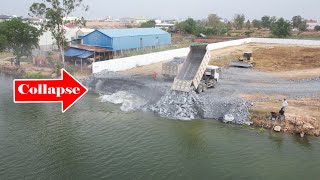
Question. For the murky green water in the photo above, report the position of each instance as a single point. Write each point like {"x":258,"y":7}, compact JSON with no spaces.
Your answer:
{"x":95,"y":140}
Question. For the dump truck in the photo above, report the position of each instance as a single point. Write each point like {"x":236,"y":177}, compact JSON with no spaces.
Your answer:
{"x":246,"y":61}
{"x":195,"y":74}
{"x":170,"y":69}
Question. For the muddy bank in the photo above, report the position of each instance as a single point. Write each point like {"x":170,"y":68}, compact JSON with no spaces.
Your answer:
{"x":292,"y":124}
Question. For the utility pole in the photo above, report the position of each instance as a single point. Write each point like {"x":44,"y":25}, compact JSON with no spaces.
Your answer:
{"x":62,"y":43}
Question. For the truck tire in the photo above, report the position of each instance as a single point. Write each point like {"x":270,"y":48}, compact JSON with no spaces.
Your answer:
{"x":215,"y":82}
{"x":199,"y":89}
{"x":204,"y":88}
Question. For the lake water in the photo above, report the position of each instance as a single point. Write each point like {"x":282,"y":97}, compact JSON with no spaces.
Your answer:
{"x":95,"y":140}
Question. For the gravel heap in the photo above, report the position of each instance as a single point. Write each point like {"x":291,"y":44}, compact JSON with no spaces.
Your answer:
{"x":179,"y":105}
{"x":216,"y":107}
{"x":240,"y":110}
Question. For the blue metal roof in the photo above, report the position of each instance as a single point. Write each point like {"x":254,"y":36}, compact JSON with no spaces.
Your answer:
{"x":131,"y":32}
{"x":80,"y":53}
{"x":85,"y":54}
{"x":73,"y":52}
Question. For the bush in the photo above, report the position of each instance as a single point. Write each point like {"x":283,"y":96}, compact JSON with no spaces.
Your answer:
{"x":262,"y":130}
{"x":281,"y":28}
{"x":71,"y":69}
{"x":31,"y":75}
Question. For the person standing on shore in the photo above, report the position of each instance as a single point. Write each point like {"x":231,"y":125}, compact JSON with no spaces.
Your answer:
{"x":283,"y":106}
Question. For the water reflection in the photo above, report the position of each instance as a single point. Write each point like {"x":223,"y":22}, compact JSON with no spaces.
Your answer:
{"x":277,"y":138}
{"x":190,"y":136}
{"x":304,"y":142}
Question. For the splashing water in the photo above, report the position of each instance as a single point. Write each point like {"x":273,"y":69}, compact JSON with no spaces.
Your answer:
{"x":129,"y":102}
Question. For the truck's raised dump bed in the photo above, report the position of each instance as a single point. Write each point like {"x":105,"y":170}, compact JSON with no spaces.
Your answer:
{"x":192,"y":69}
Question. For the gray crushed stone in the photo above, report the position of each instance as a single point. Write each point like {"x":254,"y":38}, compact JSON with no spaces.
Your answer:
{"x":179,"y":105}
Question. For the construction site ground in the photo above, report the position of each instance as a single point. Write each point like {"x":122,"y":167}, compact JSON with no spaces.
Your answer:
{"x":291,"y":72}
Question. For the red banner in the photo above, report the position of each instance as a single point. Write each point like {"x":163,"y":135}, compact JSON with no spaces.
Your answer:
{"x":66,"y":90}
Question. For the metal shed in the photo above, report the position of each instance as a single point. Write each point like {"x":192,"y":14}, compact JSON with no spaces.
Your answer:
{"x":125,"y":39}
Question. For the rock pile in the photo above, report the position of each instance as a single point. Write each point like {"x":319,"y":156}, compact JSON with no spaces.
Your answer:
{"x":240,"y":110}
{"x":179,"y":105}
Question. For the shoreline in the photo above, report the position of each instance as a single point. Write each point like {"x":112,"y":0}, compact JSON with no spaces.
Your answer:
{"x":15,"y":72}
{"x":296,"y":125}
{"x":292,"y":125}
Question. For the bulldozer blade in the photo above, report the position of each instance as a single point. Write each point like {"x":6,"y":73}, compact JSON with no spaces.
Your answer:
{"x":241,"y":64}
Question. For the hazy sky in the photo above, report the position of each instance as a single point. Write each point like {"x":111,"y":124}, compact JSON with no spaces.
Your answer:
{"x":182,"y":8}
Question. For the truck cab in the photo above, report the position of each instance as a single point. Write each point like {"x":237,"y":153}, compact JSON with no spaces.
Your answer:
{"x":210,"y":78}
{"x":213,"y":72}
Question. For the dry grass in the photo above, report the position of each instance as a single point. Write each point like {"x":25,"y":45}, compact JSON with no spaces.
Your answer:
{"x":307,"y":107}
{"x":290,"y":62}
{"x":287,"y":58}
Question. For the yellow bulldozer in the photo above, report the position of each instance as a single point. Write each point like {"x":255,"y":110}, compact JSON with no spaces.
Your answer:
{"x":246,"y":61}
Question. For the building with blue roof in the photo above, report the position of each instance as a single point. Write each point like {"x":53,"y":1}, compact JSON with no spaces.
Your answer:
{"x":119,"y":40}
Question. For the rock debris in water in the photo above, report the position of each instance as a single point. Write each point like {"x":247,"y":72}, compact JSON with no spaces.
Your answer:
{"x":179,"y":105}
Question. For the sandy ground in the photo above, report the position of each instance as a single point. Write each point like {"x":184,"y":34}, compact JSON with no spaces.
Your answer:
{"x":271,"y":58}
{"x":308,"y":107}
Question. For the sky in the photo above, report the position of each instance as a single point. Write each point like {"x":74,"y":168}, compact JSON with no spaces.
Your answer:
{"x":180,"y":9}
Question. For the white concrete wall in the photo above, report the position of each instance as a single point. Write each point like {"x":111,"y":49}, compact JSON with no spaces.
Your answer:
{"x":286,"y":41}
{"x":146,"y":59}
{"x":122,"y":64}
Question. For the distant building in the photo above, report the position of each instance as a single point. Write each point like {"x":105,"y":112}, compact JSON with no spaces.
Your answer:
{"x":34,"y":20}
{"x":82,"y":32}
{"x":164,"y":25}
{"x":311,"y":24}
{"x":70,"y":19}
{"x":5,"y":18}
{"x":119,"y":40}
{"x":141,"y":20}
{"x":158,"y":21}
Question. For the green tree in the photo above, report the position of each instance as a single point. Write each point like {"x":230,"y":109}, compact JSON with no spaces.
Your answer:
{"x":317,"y":28}
{"x":299,"y":23}
{"x":187,"y":26}
{"x":18,"y":37}
{"x":148,"y":24}
{"x":273,"y":20}
{"x":54,"y":11}
{"x":214,"y":20}
{"x":303,"y":26}
{"x":266,"y":22}
{"x":296,"y":21}
{"x":214,"y":25}
{"x":238,"y":21}
{"x":248,"y":24}
{"x":281,"y":28}
{"x":256,"y":24}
